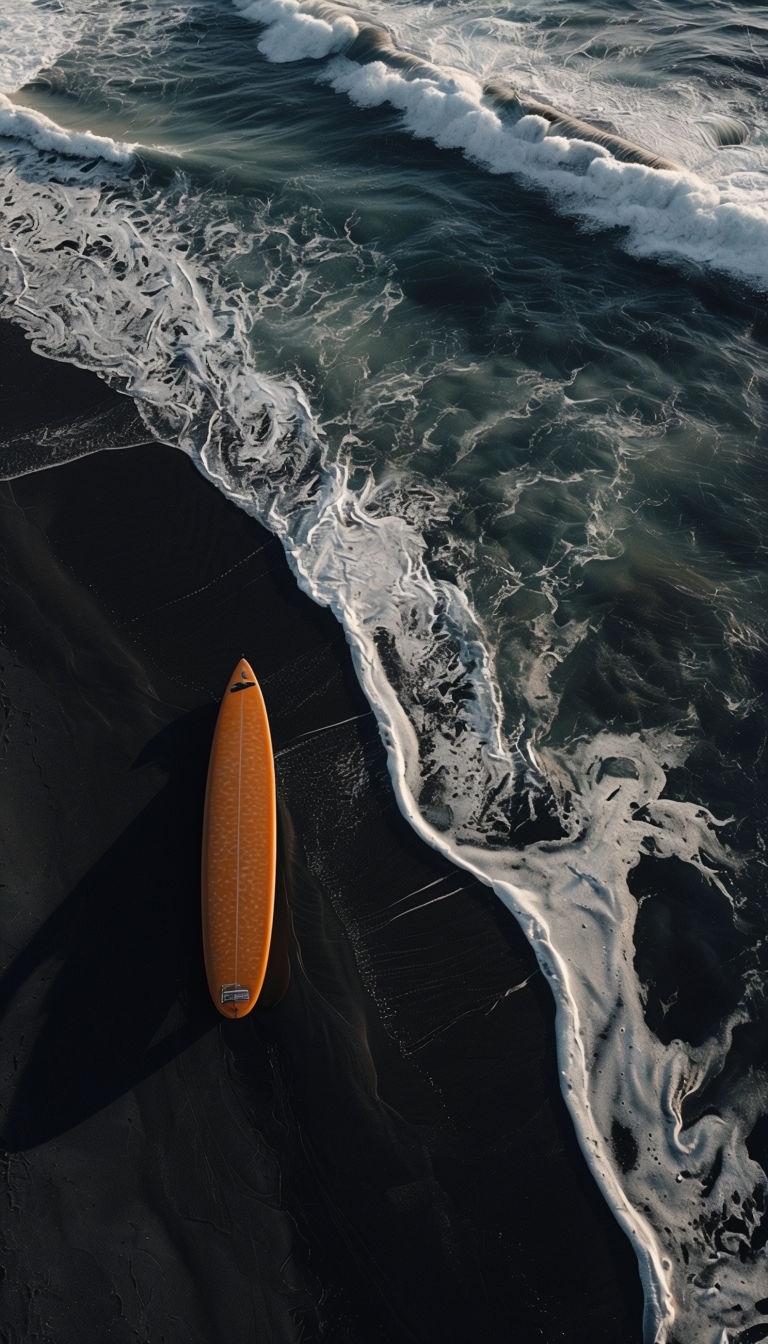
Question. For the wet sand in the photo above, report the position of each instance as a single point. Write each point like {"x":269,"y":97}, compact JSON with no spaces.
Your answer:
{"x":385,"y":1154}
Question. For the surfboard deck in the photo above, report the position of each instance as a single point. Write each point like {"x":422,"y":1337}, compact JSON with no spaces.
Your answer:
{"x":239,"y":848}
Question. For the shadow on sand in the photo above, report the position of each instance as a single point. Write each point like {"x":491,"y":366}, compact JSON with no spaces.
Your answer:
{"x":121,"y":957}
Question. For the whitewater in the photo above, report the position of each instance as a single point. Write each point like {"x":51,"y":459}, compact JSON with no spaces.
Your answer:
{"x":503,"y":402}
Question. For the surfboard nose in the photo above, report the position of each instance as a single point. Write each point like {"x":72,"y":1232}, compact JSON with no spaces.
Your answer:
{"x":242,"y":676}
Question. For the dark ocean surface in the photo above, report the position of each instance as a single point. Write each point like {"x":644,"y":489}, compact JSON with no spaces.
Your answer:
{"x":466,"y":306}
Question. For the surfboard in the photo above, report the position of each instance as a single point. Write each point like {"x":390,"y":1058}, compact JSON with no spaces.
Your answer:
{"x":239,"y":848}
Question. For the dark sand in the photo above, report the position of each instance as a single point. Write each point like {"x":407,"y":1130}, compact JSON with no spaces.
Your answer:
{"x":385,"y":1155}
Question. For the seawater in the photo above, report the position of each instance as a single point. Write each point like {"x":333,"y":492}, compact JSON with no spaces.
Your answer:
{"x":501,"y":392}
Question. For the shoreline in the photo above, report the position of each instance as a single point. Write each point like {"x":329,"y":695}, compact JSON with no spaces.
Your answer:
{"x":385,"y":1155}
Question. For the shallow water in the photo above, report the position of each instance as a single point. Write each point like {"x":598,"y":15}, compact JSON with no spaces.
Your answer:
{"x":502,"y":396}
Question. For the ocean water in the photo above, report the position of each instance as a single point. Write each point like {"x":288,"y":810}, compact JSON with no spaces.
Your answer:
{"x":467,"y":304}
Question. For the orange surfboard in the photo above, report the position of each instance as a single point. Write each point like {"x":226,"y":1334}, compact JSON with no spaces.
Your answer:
{"x":239,"y":848}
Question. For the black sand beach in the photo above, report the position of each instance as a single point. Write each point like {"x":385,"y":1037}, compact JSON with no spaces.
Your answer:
{"x":384,"y":1155}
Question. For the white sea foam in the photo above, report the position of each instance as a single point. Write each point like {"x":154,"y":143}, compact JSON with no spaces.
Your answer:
{"x":571,"y":897}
